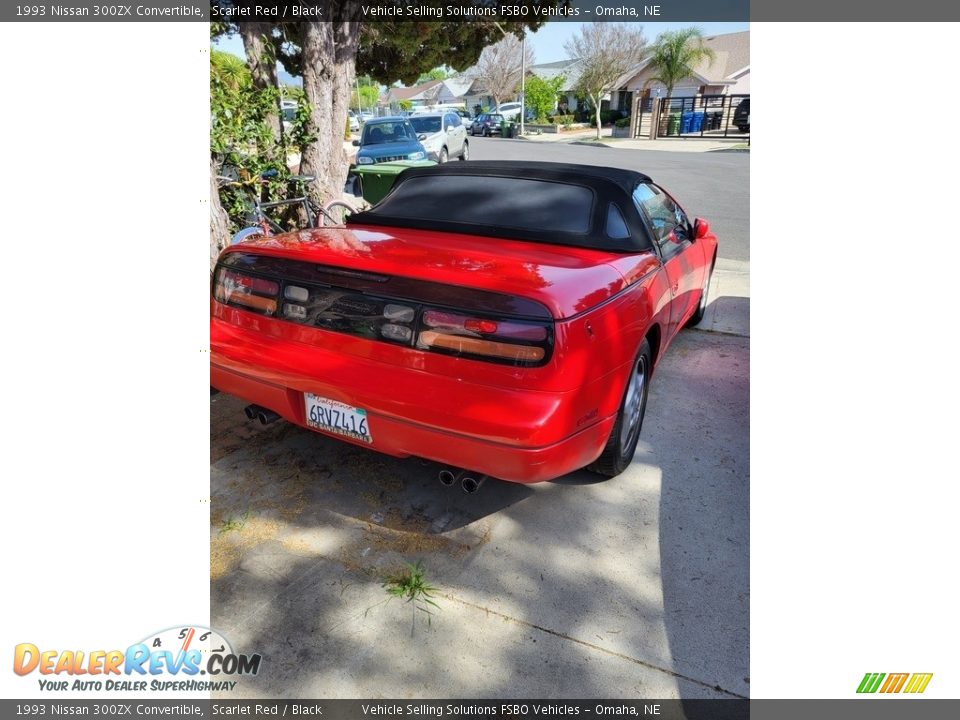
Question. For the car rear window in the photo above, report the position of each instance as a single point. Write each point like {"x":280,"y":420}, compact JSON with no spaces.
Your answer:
{"x":503,"y":202}
{"x":425,"y":124}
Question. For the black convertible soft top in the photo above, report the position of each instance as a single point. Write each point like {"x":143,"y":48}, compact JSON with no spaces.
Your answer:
{"x":558,"y":203}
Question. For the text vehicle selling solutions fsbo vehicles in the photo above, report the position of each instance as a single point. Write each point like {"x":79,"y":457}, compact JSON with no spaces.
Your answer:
{"x":504,"y":318}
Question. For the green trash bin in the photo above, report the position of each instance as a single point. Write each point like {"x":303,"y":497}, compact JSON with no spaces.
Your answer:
{"x":673,"y":126}
{"x":376,"y":180}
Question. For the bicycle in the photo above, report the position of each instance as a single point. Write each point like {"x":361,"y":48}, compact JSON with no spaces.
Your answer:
{"x":300,"y":210}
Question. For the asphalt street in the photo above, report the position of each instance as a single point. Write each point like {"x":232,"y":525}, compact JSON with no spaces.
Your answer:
{"x":713,"y":185}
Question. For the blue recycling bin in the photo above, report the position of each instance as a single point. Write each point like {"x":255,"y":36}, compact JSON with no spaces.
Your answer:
{"x":686,"y":119}
{"x":697,"y":125}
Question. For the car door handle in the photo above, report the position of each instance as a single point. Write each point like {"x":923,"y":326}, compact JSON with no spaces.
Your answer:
{"x":676,"y":286}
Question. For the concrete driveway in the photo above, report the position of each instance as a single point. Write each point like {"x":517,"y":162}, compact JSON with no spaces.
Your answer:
{"x":632,"y":587}
{"x":636,"y":586}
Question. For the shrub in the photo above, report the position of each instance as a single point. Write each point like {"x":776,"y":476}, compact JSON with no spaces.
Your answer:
{"x":562,"y":119}
{"x":623,"y":122}
{"x":609,"y":116}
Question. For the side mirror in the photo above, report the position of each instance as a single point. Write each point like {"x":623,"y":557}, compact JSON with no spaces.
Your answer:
{"x":421,"y":137}
{"x":701,"y":228}
{"x":356,"y":143}
{"x":449,"y":128}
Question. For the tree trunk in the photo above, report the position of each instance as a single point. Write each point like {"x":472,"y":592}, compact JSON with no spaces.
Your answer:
{"x":263,"y":68}
{"x":219,"y":223}
{"x":329,"y":55}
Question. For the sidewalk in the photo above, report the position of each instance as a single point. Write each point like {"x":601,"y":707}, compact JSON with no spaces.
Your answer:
{"x":728,"y":311}
{"x":686,"y":144}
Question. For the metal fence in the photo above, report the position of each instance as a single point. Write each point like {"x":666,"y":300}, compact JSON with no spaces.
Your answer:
{"x":701,"y":116}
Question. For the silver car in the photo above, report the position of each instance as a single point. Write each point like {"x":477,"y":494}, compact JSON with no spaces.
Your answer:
{"x":442,"y":135}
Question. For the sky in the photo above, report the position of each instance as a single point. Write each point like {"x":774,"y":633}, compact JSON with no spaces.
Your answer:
{"x":549,"y":40}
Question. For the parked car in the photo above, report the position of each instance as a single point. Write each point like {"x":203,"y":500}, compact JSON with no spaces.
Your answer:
{"x":388,"y":139}
{"x":486,"y":124}
{"x":442,"y":136}
{"x":354,"y":121}
{"x":366,"y":115}
{"x":466,"y":119}
{"x":741,"y":115}
{"x":288,"y":113}
{"x":510,"y":110}
{"x":503,"y":319}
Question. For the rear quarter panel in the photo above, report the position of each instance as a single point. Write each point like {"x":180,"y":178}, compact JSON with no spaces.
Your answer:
{"x":600,"y":344}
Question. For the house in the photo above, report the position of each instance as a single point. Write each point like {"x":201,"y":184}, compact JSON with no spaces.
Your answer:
{"x":454,"y":90}
{"x":421,"y":95}
{"x":477,"y":96}
{"x":728,"y":74}
{"x":430,"y":94}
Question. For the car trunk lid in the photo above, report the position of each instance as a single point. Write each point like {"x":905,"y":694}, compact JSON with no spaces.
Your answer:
{"x":565,"y":280}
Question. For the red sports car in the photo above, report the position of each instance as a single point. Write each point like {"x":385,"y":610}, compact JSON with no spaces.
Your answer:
{"x":501,"y":318}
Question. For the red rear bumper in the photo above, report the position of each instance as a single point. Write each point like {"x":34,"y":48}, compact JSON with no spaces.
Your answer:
{"x":518,"y":435}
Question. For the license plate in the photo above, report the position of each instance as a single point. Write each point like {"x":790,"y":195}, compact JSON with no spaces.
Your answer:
{"x":337,"y":417}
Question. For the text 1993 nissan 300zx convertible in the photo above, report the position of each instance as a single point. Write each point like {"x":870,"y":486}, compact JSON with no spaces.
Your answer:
{"x":501,"y":318}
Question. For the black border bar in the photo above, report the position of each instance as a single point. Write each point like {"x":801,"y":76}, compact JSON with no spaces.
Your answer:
{"x":643,"y":11}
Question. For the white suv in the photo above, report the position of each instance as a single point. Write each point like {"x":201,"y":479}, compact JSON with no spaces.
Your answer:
{"x":509,"y":110}
{"x":443,"y":136}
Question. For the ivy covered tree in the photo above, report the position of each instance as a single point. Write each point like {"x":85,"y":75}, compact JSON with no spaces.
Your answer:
{"x":329,"y":54}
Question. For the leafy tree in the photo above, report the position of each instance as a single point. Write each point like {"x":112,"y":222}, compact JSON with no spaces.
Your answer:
{"x":541,"y":95}
{"x":675,"y":54}
{"x":327,"y":54}
{"x":607,"y":53}
{"x":439,"y":73}
{"x":262,"y":61}
{"x":500,"y":65}
{"x":367,"y":97}
{"x":242,"y":144}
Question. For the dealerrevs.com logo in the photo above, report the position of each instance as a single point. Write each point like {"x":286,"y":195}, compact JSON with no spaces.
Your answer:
{"x":172,"y":659}
{"x":894,"y":682}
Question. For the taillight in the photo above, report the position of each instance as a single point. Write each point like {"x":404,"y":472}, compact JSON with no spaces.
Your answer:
{"x":483,"y":337}
{"x":251,"y":292}
{"x":489,"y":333}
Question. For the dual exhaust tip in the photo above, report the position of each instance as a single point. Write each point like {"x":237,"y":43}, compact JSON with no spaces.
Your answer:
{"x":469,"y":481}
{"x":265,"y":416}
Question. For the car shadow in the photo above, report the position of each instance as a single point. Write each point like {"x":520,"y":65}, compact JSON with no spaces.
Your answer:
{"x":283,"y":465}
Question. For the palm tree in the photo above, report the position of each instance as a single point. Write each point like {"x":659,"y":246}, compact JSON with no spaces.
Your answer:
{"x":675,"y":54}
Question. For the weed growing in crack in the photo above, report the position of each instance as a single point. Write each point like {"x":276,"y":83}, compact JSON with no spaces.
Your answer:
{"x":234,"y":522}
{"x":410,"y":584}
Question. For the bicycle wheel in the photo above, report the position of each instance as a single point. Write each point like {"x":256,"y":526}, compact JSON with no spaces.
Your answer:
{"x":246,"y":234}
{"x":336,"y":213}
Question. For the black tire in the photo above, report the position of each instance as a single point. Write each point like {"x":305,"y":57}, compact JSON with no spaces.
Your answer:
{"x":702,"y":302}
{"x":465,"y":153}
{"x":486,"y":132}
{"x":443,"y":156}
{"x":622,"y":443}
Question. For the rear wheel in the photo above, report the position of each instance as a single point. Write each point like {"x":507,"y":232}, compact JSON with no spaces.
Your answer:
{"x":622,"y":444}
{"x":702,"y":304}
{"x":465,"y":155}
